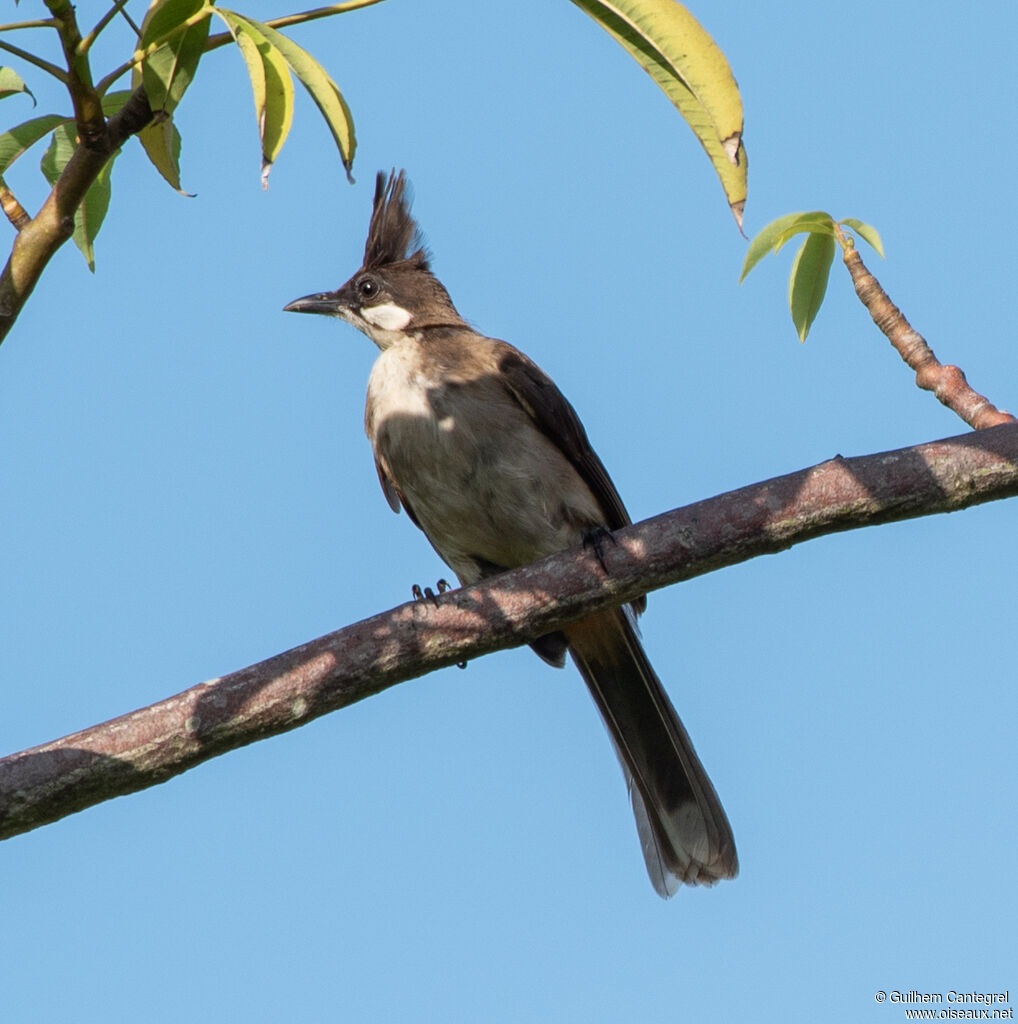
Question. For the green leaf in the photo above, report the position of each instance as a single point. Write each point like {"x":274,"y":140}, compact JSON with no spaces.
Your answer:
{"x":271,"y":89}
{"x":665,"y":39}
{"x":867,"y":232}
{"x":161,"y":142}
{"x":11,"y":82}
{"x":322,"y":89}
{"x":90,"y":214}
{"x":772,"y":237}
{"x":16,"y":140}
{"x":59,"y":151}
{"x":807,"y":284}
{"x":823,"y":226}
{"x":168,"y":72}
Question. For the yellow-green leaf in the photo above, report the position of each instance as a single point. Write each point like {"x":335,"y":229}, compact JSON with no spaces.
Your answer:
{"x":322,"y":89}
{"x":161,"y":142}
{"x":688,"y":48}
{"x":672,"y":46}
{"x":866,"y":231}
{"x":15,"y":141}
{"x":11,"y":82}
{"x":271,"y":89}
{"x":820,"y":226}
{"x":807,"y":284}
{"x":59,"y":151}
{"x":168,"y":71}
{"x":277,"y":116}
{"x":772,"y":237}
{"x":245,"y":39}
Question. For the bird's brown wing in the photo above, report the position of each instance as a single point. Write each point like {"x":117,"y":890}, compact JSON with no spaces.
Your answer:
{"x":393,"y":495}
{"x":551,"y":412}
{"x":536,"y":392}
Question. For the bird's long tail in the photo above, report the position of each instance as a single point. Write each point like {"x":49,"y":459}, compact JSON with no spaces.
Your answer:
{"x":683,"y":828}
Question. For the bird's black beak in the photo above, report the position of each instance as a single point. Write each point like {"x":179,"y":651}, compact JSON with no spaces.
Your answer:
{"x":325,"y":303}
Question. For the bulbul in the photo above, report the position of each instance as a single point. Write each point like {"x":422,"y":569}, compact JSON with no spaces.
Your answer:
{"x":488,"y":458}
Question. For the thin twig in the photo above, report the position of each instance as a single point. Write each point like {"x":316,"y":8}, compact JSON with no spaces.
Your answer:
{"x":44,"y":65}
{"x":319,"y":12}
{"x":151,"y":745}
{"x":222,"y":38}
{"x":130,"y":21}
{"x":117,"y":8}
{"x":948,"y":383}
{"x":38,"y":23}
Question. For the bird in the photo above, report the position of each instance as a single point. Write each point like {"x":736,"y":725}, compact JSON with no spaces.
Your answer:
{"x":487,"y":457}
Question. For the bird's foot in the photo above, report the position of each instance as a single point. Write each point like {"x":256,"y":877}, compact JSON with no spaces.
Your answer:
{"x":427,"y":594}
{"x":594,"y":538}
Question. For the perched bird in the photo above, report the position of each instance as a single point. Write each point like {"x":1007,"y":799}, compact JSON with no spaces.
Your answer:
{"x":488,"y":458}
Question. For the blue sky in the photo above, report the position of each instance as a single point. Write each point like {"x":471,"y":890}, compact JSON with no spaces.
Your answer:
{"x":187,"y":490}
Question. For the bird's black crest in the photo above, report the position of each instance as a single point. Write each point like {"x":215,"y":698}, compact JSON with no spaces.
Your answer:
{"x":393,"y":235}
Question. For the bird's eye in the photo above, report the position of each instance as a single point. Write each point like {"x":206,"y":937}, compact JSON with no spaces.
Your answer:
{"x":367,"y":287}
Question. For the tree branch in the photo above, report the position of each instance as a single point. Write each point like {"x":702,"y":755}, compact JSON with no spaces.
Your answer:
{"x":40,"y":238}
{"x":149,"y":746}
{"x":88,"y":111}
{"x":948,"y":383}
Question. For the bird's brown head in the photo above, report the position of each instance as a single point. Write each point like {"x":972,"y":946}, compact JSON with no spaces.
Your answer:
{"x":394,"y":294}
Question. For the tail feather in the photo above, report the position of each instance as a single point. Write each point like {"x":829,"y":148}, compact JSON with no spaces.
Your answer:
{"x":683,"y":829}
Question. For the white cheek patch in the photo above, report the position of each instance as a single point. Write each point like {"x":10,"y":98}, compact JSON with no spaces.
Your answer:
{"x":387,"y":316}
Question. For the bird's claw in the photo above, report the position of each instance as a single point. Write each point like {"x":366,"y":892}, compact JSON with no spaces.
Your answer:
{"x":427,"y":594}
